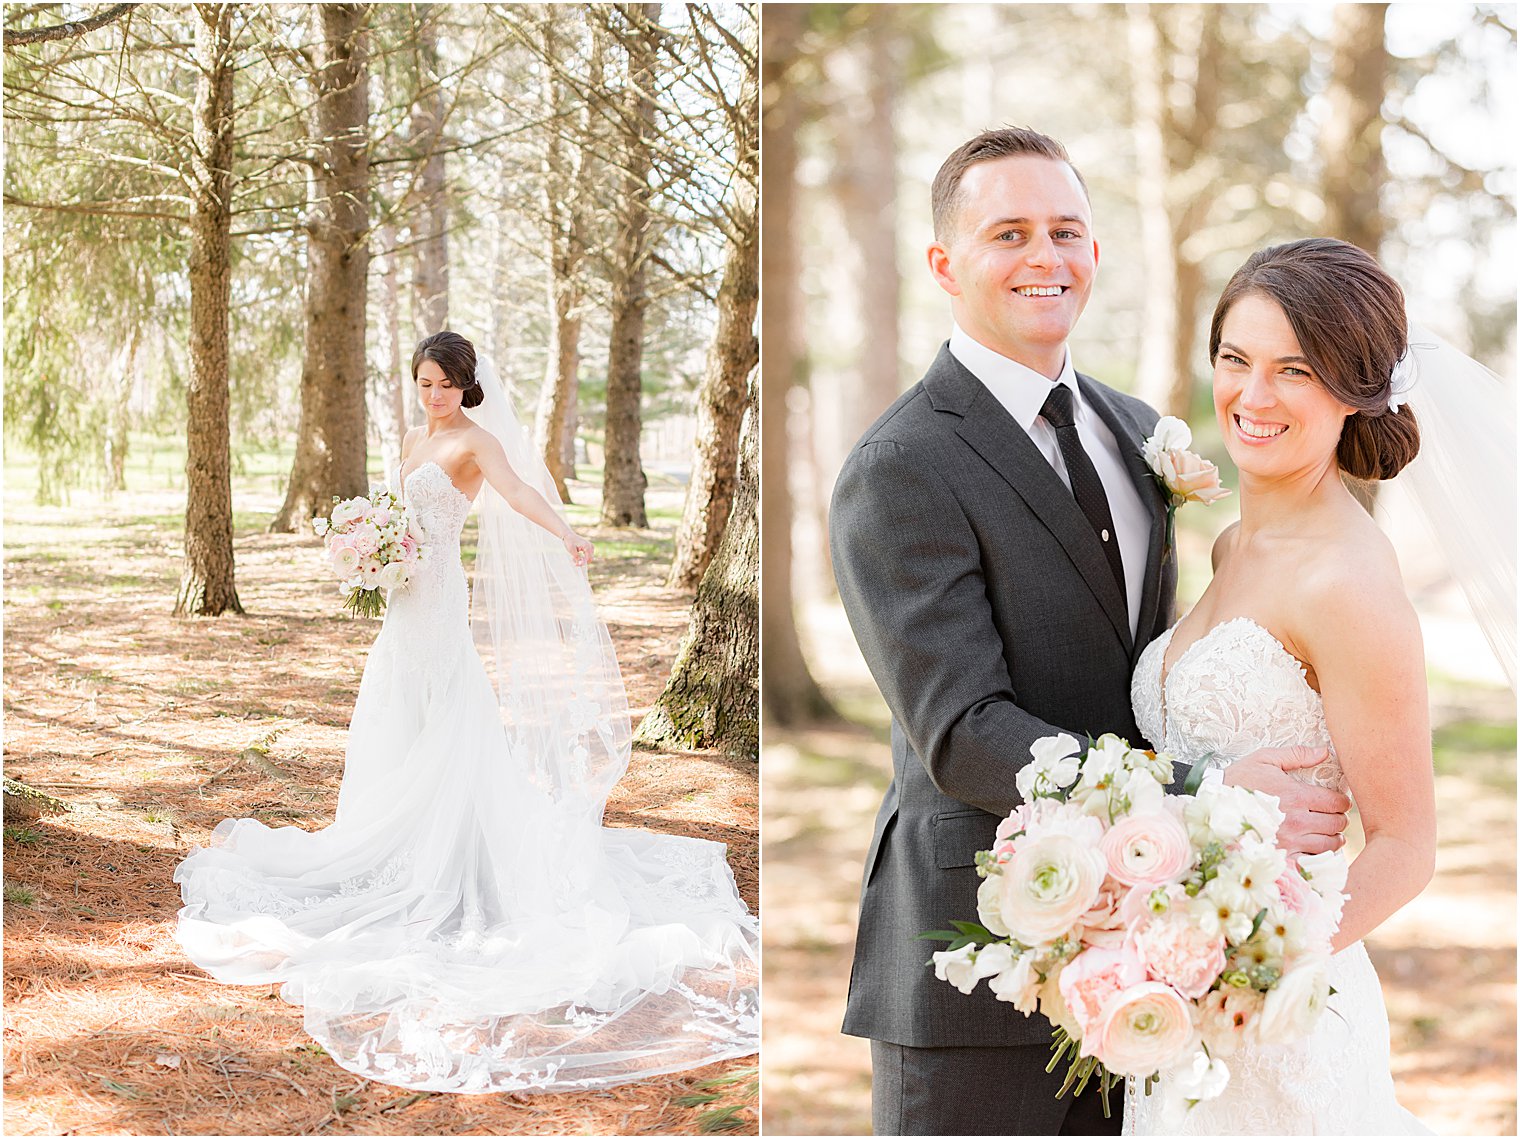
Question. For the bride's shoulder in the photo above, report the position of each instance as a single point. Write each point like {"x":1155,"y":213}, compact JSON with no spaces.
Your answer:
{"x":1350,"y":581}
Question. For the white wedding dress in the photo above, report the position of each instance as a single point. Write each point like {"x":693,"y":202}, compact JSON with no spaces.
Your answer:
{"x":458,"y":928}
{"x":1234,"y":690}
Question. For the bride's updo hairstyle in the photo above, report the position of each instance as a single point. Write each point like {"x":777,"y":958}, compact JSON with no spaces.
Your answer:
{"x":1348,"y":316}
{"x":456,"y":356}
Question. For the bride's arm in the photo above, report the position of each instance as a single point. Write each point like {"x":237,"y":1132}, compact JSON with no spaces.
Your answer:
{"x":492,"y":461}
{"x":1363,"y":639}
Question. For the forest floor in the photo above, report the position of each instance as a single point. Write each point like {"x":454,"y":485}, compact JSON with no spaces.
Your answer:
{"x":1447,"y":960}
{"x":154,"y":729}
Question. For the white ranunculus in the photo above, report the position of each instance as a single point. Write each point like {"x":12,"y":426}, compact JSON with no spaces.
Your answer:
{"x":348,"y":511}
{"x":1171,"y":434}
{"x":393,"y":576}
{"x":1294,"y":1004}
{"x":1053,"y":880}
{"x":1056,"y":762}
{"x":988,"y":899}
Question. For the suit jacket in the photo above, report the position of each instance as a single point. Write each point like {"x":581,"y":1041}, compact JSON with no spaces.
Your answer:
{"x":987,"y":612}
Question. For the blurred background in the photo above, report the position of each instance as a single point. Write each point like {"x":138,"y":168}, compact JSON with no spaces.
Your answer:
{"x":1204,"y":132}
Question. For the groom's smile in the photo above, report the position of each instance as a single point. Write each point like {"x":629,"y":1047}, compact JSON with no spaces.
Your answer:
{"x":1018,"y":258}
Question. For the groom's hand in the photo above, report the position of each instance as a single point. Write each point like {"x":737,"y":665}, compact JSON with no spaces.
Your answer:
{"x":1314,"y":817}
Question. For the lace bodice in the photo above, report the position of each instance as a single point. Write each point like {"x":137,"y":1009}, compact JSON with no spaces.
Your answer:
{"x":1233,"y":690}
{"x":432,"y":610}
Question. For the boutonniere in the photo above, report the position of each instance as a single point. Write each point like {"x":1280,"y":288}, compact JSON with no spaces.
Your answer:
{"x":1183,"y":475}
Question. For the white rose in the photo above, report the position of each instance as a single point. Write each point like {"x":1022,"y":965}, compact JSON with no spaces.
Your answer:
{"x":1052,"y":881}
{"x":1294,"y":1004}
{"x":1055,"y":765}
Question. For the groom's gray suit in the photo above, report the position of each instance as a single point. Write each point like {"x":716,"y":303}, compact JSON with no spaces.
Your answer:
{"x":984,"y":604}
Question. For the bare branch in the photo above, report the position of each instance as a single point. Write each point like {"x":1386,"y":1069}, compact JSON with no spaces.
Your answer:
{"x":66,"y":31}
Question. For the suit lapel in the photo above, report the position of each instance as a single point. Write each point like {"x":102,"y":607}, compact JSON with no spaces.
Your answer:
{"x":993,"y":434}
{"x":1129,"y":435}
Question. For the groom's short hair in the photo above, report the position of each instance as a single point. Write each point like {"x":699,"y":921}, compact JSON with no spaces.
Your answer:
{"x":1005,"y":142}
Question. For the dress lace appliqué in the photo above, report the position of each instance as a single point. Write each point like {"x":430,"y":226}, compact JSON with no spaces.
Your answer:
{"x":1235,"y":690}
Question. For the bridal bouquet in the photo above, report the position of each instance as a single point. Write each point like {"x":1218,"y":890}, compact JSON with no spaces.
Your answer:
{"x":372,"y":544}
{"x":1156,"y":932}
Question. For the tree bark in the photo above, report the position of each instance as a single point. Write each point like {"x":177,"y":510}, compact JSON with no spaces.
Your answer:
{"x":565,"y":220}
{"x":430,"y":279}
{"x":731,"y":358}
{"x":623,"y":479}
{"x":791,"y":695}
{"x":330,"y":444}
{"x":207,"y":587}
{"x":712,"y":698}
{"x":1177,"y":187}
{"x":1351,"y":142}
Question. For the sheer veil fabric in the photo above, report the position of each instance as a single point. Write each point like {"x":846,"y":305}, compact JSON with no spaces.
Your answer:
{"x":467,"y":924}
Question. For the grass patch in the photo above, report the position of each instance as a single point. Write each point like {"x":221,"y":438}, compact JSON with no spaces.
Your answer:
{"x":23,"y":836}
{"x":17,"y":895}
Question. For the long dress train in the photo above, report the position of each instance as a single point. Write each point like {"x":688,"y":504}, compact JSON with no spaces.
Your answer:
{"x":456,"y":928}
{"x":1232,"y":691}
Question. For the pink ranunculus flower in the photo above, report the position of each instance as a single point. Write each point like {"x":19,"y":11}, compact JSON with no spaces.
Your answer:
{"x":1177,"y":952}
{"x":1052,"y":881}
{"x":1144,"y":1028}
{"x":1103,"y":924}
{"x":345,"y":559}
{"x":1147,"y":849}
{"x":1094,"y":977}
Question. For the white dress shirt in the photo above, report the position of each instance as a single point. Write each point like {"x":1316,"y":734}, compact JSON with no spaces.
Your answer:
{"x":1022,"y":391}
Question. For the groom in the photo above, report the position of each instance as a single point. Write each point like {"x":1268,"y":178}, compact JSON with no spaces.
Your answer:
{"x":998,"y":546}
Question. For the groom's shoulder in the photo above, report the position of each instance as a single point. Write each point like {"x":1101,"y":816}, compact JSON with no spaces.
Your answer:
{"x":903,"y":422}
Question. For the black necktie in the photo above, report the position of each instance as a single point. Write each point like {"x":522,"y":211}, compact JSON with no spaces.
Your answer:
{"x":1086,"y":486}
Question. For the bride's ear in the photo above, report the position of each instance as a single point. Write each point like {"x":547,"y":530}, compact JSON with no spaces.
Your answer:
{"x":939,"y":268}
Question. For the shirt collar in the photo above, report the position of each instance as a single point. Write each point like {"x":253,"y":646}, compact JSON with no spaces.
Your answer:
{"x":1020,"y":389}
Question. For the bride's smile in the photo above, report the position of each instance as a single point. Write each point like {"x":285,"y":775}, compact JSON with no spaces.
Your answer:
{"x":1277,"y":419}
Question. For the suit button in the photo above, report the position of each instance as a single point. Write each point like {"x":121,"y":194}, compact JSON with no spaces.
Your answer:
{"x":1105,"y":535}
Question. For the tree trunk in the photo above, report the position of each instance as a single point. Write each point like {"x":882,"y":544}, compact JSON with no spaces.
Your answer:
{"x":565,"y":220}
{"x":330,"y":444}
{"x":731,"y":358}
{"x":398,"y":380}
{"x":118,"y":433}
{"x":713,"y":696}
{"x":623,"y":479}
{"x":206,"y":586}
{"x":865,"y":184}
{"x":790,"y":693}
{"x":1156,"y":366}
{"x":430,"y":279}
{"x":1351,"y":142}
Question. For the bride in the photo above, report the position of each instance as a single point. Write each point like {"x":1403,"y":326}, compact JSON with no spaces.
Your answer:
{"x":1305,"y":636}
{"x":467,"y":924}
